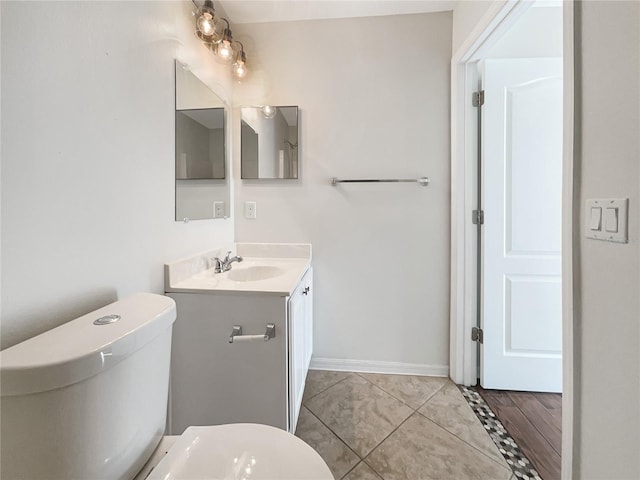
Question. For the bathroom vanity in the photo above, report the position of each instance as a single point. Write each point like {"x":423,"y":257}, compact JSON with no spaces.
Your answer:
{"x":243,"y":338}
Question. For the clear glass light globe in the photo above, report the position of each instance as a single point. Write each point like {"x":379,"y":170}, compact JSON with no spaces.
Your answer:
{"x":239,"y":70}
{"x":225,"y":52}
{"x":268,"y":111}
{"x":206,"y":24}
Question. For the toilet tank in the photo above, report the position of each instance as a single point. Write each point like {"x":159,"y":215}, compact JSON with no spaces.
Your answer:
{"x":86,"y":400}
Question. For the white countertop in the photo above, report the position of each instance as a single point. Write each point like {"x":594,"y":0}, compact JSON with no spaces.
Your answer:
{"x":196,"y":275}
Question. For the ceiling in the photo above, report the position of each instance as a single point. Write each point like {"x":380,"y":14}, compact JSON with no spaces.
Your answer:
{"x":264,"y":11}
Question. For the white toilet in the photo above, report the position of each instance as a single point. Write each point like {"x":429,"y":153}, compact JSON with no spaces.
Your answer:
{"x":88,"y":400}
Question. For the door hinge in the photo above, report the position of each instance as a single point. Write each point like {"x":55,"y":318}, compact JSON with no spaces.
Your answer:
{"x":478,"y":98}
{"x":477,"y":217}
{"x":477,"y":335}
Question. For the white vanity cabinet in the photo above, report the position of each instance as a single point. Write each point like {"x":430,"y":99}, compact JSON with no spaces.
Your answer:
{"x":250,"y":380}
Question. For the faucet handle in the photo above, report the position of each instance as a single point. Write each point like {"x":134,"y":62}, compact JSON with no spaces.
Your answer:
{"x":217,"y":264}
{"x":226,"y":259}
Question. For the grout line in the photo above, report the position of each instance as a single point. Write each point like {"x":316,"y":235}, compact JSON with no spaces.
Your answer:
{"x":381,"y":441}
{"x":350,"y":470}
{"x":399,"y":399}
{"x":335,"y":434}
{"x":385,"y":392}
{"x":414,"y":411}
{"x":332,"y":385}
{"x":378,"y":474}
{"x":494,"y":460}
{"x":431,"y":396}
{"x":385,"y":438}
{"x":356,"y":466}
{"x":388,"y":393}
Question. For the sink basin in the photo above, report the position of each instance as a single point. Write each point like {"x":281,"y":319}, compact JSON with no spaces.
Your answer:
{"x":254,"y":273}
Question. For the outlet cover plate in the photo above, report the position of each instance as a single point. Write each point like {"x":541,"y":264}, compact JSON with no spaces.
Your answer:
{"x":250,"y":210}
{"x":218,"y":210}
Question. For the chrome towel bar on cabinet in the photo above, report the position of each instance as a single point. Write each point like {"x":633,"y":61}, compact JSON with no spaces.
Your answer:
{"x":422,"y":181}
{"x":237,"y":335}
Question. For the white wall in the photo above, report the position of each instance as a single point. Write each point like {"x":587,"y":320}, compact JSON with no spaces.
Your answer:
{"x":88,"y":155}
{"x":374,"y":102}
{"x":608,"y":274}
{"x":466,"y":16}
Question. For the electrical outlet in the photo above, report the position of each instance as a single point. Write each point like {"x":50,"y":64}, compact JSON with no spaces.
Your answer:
{"x":250,"y":210}
{"x":218,"y":209}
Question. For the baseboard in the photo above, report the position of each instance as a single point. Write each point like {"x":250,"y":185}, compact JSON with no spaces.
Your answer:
{"x":372,"y":366}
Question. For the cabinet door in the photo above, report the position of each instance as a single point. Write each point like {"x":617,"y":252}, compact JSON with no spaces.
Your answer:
{"x":215,"y":382}
{"x":297,"y":371}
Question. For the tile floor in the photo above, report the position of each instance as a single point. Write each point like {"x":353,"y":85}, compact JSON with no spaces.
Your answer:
{"x":396,"y":427}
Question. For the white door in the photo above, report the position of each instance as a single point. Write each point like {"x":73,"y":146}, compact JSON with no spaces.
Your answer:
{"x":522,"y":200}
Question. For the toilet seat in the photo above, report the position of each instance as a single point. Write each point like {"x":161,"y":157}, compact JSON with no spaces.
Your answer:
{"x":240,"y":451}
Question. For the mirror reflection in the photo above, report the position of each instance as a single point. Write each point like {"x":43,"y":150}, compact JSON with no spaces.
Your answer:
{"x":200,"y":150}
{"x":200,"y":143}
{"x":269,"y":142}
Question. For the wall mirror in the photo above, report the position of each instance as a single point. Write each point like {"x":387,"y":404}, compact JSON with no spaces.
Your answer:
{"x":269,"y":142}
{"x":202,"y":191}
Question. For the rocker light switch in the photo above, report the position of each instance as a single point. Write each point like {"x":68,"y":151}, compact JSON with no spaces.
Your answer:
{"x":606,"y":219}
{"x":596,"y":218}
{"x":611,"y":220}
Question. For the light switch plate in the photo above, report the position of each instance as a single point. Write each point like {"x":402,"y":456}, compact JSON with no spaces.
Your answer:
{"x":621,"y":204}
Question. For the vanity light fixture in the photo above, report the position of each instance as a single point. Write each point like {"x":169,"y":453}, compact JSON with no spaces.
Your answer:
{"x":215,"y":33}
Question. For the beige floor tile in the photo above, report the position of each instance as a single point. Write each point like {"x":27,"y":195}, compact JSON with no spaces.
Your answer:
{"x":319,"y":380}
{"x":338,"y":456}
{"x":362,"y":472}
{"x":421,"y":450}
{"x":449,"y":409}
{"x":360,"y":413}
{"x":411,"y":389}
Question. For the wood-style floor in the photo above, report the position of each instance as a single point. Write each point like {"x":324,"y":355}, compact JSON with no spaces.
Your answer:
{"x":534,"y":422}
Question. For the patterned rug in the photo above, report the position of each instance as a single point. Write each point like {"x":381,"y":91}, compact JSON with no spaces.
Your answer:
{"x":519,"y":463}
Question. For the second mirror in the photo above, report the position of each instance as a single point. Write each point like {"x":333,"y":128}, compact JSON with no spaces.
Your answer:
{"x":269,"y":141}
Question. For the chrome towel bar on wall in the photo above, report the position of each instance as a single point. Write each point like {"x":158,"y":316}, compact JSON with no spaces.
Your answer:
{"x":422,"y":181}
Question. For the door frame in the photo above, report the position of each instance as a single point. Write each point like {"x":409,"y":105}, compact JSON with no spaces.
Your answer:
{"x":463,"y":352}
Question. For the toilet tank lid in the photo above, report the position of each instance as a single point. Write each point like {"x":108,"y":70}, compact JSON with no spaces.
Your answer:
{"x":79,"y":349}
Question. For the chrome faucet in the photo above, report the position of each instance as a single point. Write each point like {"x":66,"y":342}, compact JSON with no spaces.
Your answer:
{"x":224,"y":265}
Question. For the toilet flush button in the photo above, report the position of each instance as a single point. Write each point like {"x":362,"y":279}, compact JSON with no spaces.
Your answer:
{"x":107,"y":319}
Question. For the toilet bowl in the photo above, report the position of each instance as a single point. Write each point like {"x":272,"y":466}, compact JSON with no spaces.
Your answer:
{"x":88,"y":399}
{"x":242,"y":451}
